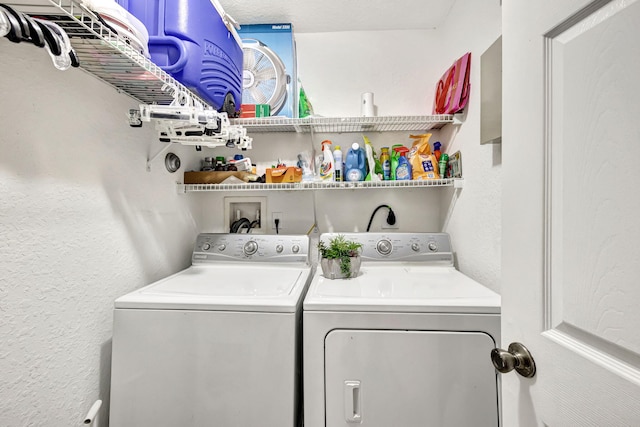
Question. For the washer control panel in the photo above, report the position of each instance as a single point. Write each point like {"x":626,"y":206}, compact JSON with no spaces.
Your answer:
{"x":419,"y":247}
{"x":211,"y":247}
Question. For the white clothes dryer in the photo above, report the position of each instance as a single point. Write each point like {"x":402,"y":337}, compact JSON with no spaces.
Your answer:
{"x":217,"y":343}
{"x":404,"y":344}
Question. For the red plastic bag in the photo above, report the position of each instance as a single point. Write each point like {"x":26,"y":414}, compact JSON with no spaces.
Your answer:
{"x":452,"y":90}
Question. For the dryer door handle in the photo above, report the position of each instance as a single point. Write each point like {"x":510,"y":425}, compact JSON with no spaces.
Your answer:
{"x":352,"y":401}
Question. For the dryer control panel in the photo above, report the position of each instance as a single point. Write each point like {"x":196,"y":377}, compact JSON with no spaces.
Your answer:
{"x":211,"y":247}
{"x":419,"y":247}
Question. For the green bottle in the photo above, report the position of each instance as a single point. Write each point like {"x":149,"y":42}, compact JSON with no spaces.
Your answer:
{"x":444,"y":159}
{"x":394,"y":160}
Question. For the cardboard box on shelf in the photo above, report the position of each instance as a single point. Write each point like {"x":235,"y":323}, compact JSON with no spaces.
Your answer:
{"x":269,"y":71}
{"x":283,"y":174}
{"x":254,"y":110}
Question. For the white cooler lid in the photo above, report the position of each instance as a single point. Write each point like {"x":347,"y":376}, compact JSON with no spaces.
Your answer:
{"x":402,"y":287}
{"x":224,"y":287}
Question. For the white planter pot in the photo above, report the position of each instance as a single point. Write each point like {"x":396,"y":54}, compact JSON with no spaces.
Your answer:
{"x":331,"y":268}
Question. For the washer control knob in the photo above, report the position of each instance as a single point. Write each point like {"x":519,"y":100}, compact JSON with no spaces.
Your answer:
{"x":279,"y":249}
{"x":222,"y":247}
{"x":206,"y":247}
{"x":250,"y":248}
{"x":384,"y":247}
{"x":295,"y":249}
{"x":415,"y":247}
{"x":433,"y":246}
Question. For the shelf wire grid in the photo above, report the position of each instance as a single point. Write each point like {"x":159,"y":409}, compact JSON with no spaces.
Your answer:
{"x":345,"y":124}
{"x":106,"y":55}
{"x":302,"y":186}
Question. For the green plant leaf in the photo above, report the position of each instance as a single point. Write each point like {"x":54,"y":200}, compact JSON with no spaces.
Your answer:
{"x":340,"y":248}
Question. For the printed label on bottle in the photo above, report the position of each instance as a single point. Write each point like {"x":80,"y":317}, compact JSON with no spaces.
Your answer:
{"x":326,"y":168}
{"x":402,"y":172}
{"x":386,"y":170}
{"x":354,"y":175}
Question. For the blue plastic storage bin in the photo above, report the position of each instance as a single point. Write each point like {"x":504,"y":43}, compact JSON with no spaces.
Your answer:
{"x":190,"y":40}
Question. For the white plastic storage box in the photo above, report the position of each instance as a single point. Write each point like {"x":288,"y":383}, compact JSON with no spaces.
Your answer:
{"x":269,"y":70}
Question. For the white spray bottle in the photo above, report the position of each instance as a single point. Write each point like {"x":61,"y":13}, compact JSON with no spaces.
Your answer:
{"x":371,"y":163}
{"x":337,"y":158}
{"x":327,"y":168}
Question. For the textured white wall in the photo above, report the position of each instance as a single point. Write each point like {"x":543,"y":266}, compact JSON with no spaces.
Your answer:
{"x":336,"y":68}
{"x":475,"y":221}
{"x":81,"y":223}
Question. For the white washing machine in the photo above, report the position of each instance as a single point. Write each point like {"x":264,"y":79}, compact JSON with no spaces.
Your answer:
{"x":404,"y":344}
{"x":217,"y":344}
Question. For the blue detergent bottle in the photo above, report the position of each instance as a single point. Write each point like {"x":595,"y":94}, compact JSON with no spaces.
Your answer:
{"x":355,"y":165}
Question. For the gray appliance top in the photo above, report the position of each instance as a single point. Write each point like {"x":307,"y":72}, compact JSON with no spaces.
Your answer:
{"x":216,"y":247}
{"x":429,"y":248}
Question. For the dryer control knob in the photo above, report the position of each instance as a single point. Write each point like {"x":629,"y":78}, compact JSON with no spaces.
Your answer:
{"x":415,"y":247}
{"x":222,"y":247}
{"x":384,"y":247}
{"x":433,"y":246}
{"x":279,"y":248}
{"x":206,"y":247}
{"x":295,"y":249}
{"x":250,"y":248}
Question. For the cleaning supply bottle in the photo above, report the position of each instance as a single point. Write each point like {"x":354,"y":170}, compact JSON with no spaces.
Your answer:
{"x":394,"y":160}
{"x":403,"y":171}
{"x":355,"y":164}
{"x":327,"y":165}
{"x":337,"y":159}
{"x":436,"y":150}
{"x":371,"y":163}
{"x":385,"y":160}
{"x":443,"y":165}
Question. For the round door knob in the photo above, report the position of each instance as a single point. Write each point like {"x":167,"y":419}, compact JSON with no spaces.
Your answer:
{"x":517,"y":357}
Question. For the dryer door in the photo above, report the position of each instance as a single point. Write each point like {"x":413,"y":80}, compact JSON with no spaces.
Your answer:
{"x":379,"y":378}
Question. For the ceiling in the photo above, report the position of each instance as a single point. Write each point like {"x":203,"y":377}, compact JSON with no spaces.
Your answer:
{"x":313,"y":16}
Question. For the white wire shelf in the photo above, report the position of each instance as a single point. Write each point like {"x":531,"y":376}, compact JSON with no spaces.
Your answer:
{"x":307,"y":186}
{"x":104,"y":54}
{"x":346,"y":124}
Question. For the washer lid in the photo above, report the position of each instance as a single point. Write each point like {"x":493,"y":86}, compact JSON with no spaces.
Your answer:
{"x":402,"y":287}
{"x":262,"y":288}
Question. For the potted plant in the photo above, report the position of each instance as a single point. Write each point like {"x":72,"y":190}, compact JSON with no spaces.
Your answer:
{"x":340,"y":259}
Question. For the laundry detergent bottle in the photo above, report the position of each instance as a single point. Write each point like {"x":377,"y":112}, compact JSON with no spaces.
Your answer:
{"x":355,"y":165}
{"x":403,"y":171}
{"x":327,"y":165}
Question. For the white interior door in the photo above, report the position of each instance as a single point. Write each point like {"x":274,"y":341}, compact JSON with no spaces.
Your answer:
{"x":571,"y":210}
